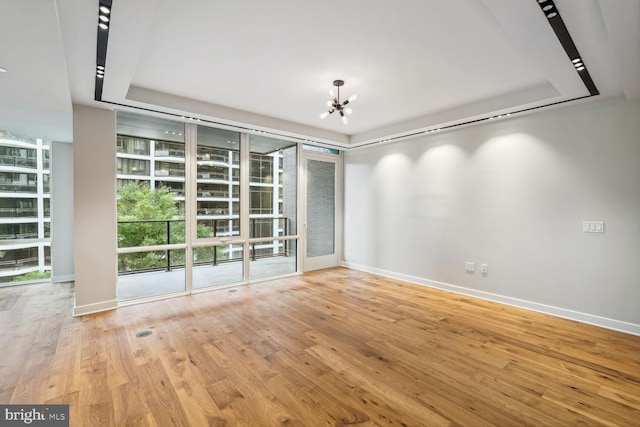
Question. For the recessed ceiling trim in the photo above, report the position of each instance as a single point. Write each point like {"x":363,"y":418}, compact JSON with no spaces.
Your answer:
{"x":547,"y":7}
{"x":465,"y":123}
{"x":241,"y":128}
{"x":500,"y":102}
{"x":105,"y":7}
{"x":552,"y":14}
{"x":230,"y":116}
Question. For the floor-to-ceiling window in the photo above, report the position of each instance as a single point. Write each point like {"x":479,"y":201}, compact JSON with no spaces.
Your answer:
{"x":151,"y":206}
{"x":273,"y":206}
{"x":201,"y":206}
{"x":25,"y":245}
{"x":218,"y":248}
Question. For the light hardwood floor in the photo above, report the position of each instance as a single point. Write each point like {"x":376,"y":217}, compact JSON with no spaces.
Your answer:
{"x":336,"y":347}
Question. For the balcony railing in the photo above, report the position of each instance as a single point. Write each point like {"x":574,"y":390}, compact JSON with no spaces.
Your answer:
{"x":19,"y":212}
{"x":19,"y":236}
{"x":163,"y":260}
{"x":19,"y":188}
{"x":219,"y":194}
{"x":169,"y":152}
{"x":19,"y":264}
{"x":18,"y":161}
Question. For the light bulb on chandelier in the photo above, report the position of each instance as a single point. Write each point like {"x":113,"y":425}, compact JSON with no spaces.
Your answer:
{"x":334,"y":103}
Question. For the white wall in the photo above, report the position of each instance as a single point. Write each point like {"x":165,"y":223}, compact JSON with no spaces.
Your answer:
{"x":95,"y":226}
{"x":513,"y":194}
{"x":61,"y":212}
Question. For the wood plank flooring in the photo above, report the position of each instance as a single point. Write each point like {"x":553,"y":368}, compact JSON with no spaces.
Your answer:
{"x":331,"y":348}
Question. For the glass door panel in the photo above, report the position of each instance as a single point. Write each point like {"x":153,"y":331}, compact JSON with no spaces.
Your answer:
{"x":321,"y":220}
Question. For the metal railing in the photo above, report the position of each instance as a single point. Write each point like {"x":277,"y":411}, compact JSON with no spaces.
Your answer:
{"x":19,"y":236}
{"x":25,"y":162}
{"x":19,"y":188}
{"x":18,"y":212}
{"x":19,"y":264}
{"x":169,"y":152}
{"x":214,"y":225}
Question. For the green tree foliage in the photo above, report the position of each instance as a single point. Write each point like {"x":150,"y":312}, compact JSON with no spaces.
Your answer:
{"x":149,"y":217}
{"x":136,"y":201}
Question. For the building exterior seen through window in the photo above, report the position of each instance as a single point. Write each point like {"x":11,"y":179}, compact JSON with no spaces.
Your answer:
{"x":25,"y":246}
{"x":154,"y":161}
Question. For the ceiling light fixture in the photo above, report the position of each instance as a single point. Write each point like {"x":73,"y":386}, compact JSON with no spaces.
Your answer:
{"x":102,"y":17}
{"x":3,"y":70}
{"x":549,"y":8}
{"x":334,"y":103}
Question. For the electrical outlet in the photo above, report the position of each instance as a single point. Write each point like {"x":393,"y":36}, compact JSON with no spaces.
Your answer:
{"x":470,"y":267}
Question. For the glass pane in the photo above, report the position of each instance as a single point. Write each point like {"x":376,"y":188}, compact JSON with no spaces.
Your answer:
{"x":321,"y":149}
{"x":320,"y":208}
{"x":136,"y":233}
{"x":273,"y":258}
{"x":273,"y":187}
{"x":161,"y":260}
{"x":18,"y":182}
{"x":150,"y":156}
{"x":24,"y":210}
{"x":218,"y":182}
{"x":217,"y":265}
{"x":150,"y":173}
{"x":152,"y":273}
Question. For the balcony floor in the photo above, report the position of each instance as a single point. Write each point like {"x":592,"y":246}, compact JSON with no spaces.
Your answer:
{"x":149,"y":284}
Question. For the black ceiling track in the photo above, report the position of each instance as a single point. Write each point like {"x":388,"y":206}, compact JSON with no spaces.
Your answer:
{"x":104,"y":23}
{"x":552,"y":14}
{"x":548,"y":7}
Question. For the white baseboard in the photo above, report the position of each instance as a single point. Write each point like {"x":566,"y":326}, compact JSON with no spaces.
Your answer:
{"x":81,"y":310}
{"x":616,"y":325}
{"x":63,"y":279}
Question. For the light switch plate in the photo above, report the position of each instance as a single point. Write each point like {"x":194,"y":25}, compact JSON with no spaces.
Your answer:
{"x":593,"y":226}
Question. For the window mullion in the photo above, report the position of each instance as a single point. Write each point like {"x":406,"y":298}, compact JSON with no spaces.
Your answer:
{"x":245,"y":170}
{"x":190,"y":205}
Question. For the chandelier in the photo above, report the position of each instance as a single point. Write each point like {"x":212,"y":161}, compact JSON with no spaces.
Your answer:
{"x":334,"y":103}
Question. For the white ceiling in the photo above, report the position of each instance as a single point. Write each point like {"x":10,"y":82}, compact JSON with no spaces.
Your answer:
{"x":414,"y":64}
